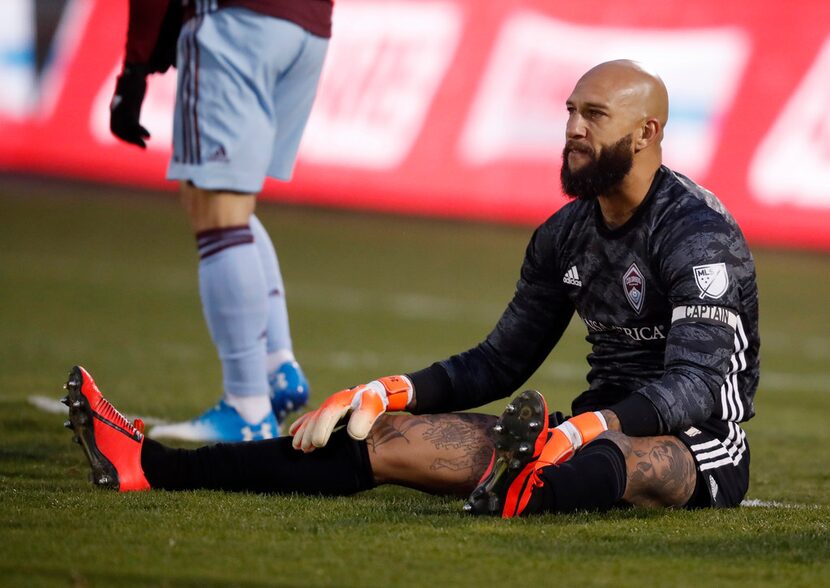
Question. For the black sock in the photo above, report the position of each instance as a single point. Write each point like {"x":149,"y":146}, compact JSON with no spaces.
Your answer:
{"x":594,"y":479}
{"x":340,"y":468}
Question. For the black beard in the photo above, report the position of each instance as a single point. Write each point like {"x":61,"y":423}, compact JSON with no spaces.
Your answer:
{"x":600,"y":175}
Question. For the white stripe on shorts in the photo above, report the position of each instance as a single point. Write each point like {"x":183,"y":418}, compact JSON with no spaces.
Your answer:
{"x":717,"y":453}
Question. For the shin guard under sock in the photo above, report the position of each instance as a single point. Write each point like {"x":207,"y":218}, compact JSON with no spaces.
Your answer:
{"x":278,"y":332}
{"x":594,"y":479}
{"x":235,"y":304}
{"x":340,"y":468}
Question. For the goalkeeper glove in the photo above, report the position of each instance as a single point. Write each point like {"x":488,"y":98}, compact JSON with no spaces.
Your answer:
{"x":568,"y":437}
{"x":366,"y":403}
{"x":125,"y":108}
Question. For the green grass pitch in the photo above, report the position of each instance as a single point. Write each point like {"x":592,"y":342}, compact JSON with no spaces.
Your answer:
{"x":107,"y":278}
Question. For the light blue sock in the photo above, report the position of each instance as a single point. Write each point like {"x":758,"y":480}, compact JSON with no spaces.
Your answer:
{"x":235,"y":303}
{"x":278,"y":332}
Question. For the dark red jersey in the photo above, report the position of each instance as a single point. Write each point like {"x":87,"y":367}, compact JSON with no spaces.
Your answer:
{"x":154,"y":24}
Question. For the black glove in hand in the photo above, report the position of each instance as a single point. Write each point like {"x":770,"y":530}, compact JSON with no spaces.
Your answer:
{"x":125,"y":108}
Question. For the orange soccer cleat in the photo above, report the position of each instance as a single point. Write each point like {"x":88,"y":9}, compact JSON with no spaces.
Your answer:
{"x":111,"y":443}
{"x":520,"y":434}
{"x":523,"y":448}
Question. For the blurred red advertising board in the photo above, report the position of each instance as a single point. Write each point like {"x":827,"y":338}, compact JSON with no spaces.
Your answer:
{"x":456,"y":107}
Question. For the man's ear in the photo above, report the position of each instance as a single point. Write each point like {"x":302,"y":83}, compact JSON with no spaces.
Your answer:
{"x":647,"y":134}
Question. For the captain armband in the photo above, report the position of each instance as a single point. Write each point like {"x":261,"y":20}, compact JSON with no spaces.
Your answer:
{"x":706,"y":313}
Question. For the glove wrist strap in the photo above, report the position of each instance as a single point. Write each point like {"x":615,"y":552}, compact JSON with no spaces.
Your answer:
{"x":588,"y":425}
{"x":398,"y":392}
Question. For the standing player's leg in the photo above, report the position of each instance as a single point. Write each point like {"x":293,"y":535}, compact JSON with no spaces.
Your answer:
{"x":291,"y":97}
{"x":223,"y":139}
{"x":233,"y":292}
{"x":288,"y":385}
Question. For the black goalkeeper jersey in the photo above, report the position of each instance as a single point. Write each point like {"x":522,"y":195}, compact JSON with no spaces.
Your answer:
{"x":669,"y":301}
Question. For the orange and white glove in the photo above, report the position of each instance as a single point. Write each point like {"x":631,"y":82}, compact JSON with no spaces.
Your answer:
{"x":366,"y":403}
{"x":568,"y":437}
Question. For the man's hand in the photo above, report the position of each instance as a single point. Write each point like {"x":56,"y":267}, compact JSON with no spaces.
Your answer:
{"x":570,"y":436}
{"x":366,"y":403}
{"x":125,"y":108}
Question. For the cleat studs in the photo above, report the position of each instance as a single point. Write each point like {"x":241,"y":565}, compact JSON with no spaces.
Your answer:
{"x":501,"y":445}
{"x":498,"y":428}
{"x":289,"y":405}
{"x":468,"y":508}
{"x":65,"y":400}
{"x":509,"y":409}
{"x":524,"y":448}
{"x":76,"y":404}
{"x":534,"y":425}
{"x":515,"y":464}
{"x":67,"y":424}
{"x":103,"y":480}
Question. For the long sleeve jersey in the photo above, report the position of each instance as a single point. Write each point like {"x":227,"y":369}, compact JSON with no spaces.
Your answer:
{"x":669,"y":301}
{"x":154,"y":24}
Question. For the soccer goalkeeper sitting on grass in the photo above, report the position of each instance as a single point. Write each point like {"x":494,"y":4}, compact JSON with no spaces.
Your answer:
{"x":661,"y":276}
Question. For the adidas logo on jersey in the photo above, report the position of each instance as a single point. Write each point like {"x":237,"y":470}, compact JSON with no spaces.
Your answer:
{"x":572,"y":277}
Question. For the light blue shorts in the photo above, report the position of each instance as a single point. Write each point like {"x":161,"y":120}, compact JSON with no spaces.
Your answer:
{"x":246,"y":83}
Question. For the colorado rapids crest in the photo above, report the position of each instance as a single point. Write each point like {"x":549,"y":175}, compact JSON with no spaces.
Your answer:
{"x":712,"y":280}
{"x":634,"y":286}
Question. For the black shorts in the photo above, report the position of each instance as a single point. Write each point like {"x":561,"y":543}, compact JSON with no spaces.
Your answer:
{"x":721,"y":454}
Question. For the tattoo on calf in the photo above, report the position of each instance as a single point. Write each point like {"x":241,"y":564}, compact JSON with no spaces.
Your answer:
{"x":388,"y":429}
{"x":667,"y":470}
{"x":474,"y":461}
{"x":468,"y":433}
{"x":459,"y":445}
{"x":458,"y":432}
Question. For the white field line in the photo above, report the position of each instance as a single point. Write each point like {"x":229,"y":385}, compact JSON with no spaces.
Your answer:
{"x":54,"y":406}
{"x":755,"y":503}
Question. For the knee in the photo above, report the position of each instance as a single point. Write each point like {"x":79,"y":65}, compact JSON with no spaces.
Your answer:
{"x":196,"y":203}
{"x":214,"y":209}
{"x":385,"y":456}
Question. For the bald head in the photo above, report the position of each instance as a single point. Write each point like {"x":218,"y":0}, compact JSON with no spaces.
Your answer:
{"x":629,"y":88}
{"x":616,"y":115}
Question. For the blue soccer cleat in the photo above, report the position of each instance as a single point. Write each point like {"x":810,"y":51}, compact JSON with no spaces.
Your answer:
{"x":221,"y":423}
{"x":289,"y":389}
